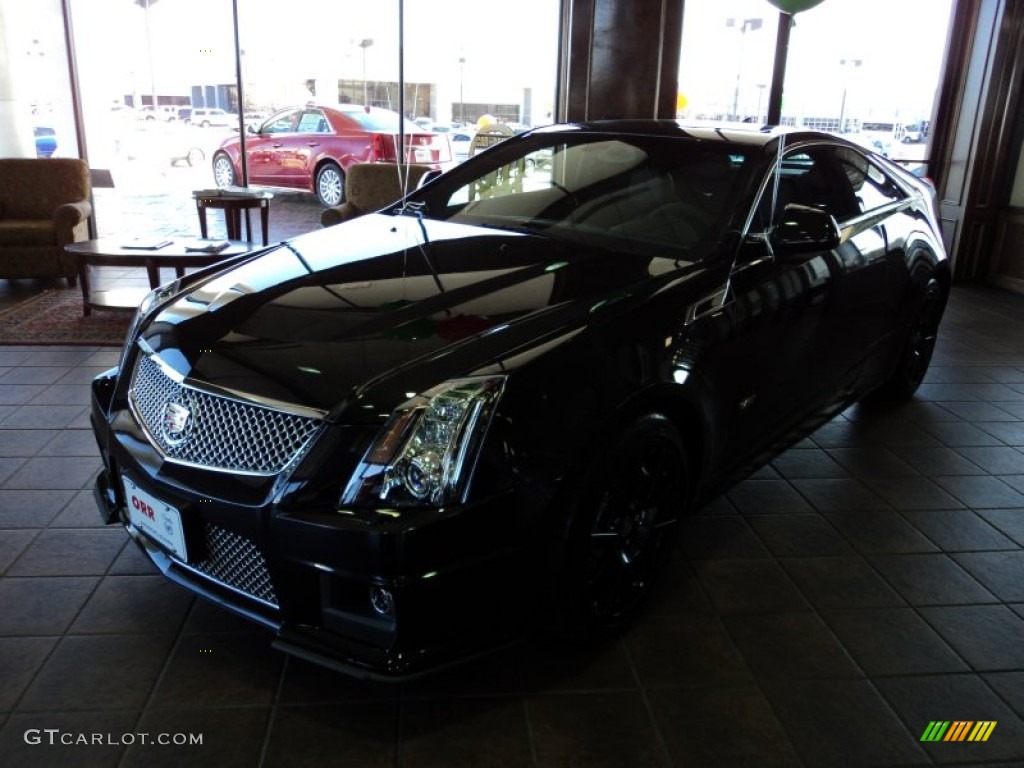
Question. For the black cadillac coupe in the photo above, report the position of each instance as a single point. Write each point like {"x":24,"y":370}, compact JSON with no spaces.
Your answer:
{"x":404,"y":439}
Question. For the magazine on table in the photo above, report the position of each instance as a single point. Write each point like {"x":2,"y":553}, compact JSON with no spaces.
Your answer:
{"x":215,"y":192}
{"x":147,"y":244}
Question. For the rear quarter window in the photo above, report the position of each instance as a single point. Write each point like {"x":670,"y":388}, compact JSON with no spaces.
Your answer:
{"x":378,"y":122}
{"x":872,"y":186}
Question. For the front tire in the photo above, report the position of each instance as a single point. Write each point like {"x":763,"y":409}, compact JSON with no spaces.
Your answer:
{"x":223,"y":171}
{"x":622,"y":528}
{"x":330,"y":185}
{"x":195,"y":156}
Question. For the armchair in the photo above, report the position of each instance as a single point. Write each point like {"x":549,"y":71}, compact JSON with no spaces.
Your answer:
{"x":44,"y":205}
{"x":370,"y":187}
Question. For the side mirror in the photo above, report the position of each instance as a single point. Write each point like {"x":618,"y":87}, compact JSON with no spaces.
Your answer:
{"x":803,"y":229}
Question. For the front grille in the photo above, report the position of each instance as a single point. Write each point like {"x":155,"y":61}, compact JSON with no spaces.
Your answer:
{"x":236,"y":562}
{"x":214,"y":431}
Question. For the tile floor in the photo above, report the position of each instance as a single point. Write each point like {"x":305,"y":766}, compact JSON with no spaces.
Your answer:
{"x":822,"y":613}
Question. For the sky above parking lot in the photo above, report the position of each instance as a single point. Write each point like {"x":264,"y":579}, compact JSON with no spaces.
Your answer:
{"x":893,"y":51}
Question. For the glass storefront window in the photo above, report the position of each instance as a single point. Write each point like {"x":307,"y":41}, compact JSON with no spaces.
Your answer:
{"x":142,"y":64}
{"x":868,"y":69}
{"x":725,"y":68}
{"x":36,"y":116}
{"x":161,"y":96}
{"x":875,"y":82}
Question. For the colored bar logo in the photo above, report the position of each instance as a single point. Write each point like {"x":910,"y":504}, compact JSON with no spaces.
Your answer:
{"x":958,"y":730}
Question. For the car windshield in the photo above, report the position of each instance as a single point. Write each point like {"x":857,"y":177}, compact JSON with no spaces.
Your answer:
{"x":636,"y":193}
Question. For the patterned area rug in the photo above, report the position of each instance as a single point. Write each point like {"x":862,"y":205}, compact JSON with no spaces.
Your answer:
{"x":55,"y":317}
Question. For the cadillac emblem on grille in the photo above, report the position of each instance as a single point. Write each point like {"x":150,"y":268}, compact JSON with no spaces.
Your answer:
{"x":223,"y":433}
{"x":177,"y":420}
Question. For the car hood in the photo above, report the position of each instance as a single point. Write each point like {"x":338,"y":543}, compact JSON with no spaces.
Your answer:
{"x":354,"y":319}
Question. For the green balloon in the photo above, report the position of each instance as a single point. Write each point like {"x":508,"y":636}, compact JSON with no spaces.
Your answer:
{"x":794,"y":6}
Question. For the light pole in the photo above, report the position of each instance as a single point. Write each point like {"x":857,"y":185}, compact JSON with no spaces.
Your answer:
{"x":844,"y":63}
{"x":751,"y":24}
{"x":365,"y":43}
{"x":462,"y":101}
{"x":145,"y":4}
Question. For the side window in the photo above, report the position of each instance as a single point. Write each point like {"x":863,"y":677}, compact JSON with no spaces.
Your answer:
{"x":811,"y":177}
{"x":312,"y":121}
{"x":286,"y":122}
{"x":872,"y":187}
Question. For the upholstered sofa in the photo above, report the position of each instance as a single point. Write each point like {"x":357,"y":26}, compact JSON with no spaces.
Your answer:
{"x":44,"y":205}
{"x":372,"y":186}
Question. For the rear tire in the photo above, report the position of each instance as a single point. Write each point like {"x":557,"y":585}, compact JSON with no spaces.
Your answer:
{"x":621,"y":530}
{"x":918,"y":347}
{"x":330,"y":185}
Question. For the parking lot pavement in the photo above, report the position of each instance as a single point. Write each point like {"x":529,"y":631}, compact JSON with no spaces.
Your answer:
{"x":172,"y":213}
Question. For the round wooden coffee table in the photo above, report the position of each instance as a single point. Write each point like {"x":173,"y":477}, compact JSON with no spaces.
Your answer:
{"x":110,"y":252}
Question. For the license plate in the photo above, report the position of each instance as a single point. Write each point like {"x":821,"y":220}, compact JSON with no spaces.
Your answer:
{"x":422,"y":155}
{"x":158,"y":520}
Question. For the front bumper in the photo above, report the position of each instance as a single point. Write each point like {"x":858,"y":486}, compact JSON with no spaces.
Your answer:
{"x":452,"y":583}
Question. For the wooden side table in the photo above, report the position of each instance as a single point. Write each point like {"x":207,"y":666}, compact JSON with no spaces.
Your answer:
{"x":233,"y":201}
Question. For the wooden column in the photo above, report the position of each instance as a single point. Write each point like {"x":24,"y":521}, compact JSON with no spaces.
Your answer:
{"x":619,"y":59}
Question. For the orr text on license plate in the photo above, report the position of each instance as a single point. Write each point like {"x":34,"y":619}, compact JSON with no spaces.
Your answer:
{"x":156,"y":519}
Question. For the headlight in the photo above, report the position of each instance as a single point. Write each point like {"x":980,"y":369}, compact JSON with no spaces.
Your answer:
{"x":426,"y":451}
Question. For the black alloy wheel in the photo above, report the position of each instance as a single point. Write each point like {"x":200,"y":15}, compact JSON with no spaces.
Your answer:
{"x":631,"y":501}
{"x":919,"y":345}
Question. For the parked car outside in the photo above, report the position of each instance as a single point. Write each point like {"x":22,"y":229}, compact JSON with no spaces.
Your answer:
{"x":253,"y":120}
{"x":207,"y":117}
{"x":46,"y":141}
{"x":462,"y":141}
{"x":312,"y":147}
{"x":914,"y":133}
{"x":164,"y":113}
{"x":870,"y":141}
{"x":400,"y":440}
{"x":188,"y":146}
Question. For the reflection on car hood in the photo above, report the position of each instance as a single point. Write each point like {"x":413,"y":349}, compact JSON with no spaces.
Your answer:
{"x":356,"y":317}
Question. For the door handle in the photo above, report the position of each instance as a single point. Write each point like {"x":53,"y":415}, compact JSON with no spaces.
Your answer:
{"x":277,"y":145}
{"x":312,"y":143}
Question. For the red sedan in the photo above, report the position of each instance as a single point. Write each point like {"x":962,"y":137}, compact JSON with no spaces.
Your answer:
{"x":312,"y":147}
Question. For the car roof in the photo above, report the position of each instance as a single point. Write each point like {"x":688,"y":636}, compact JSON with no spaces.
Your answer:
{"x":749,"y":134}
